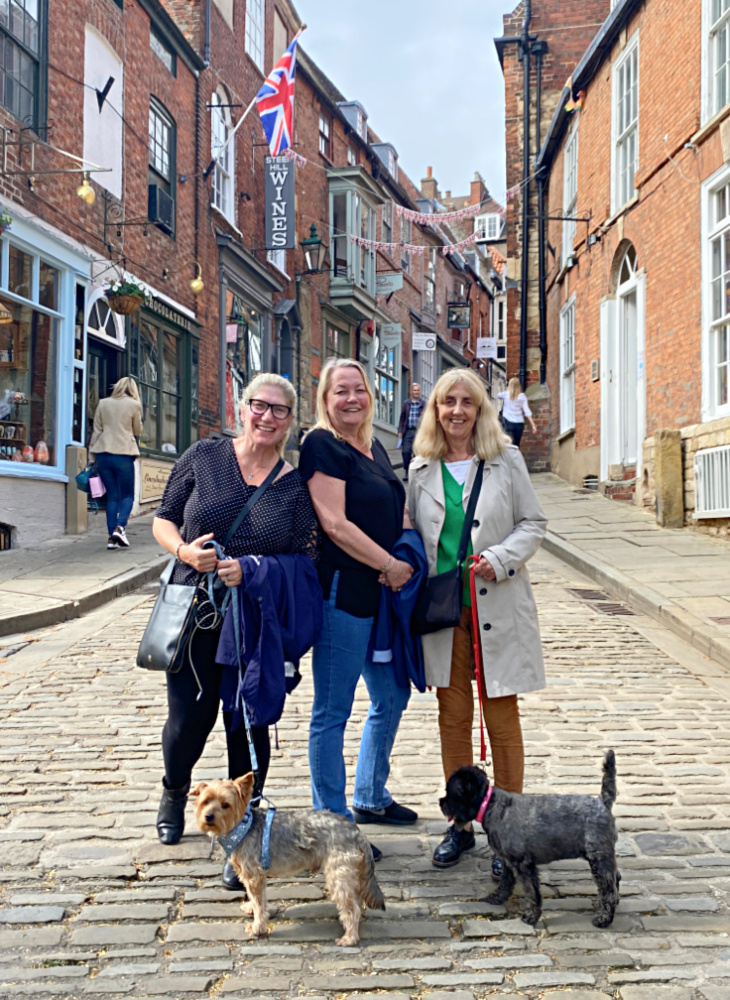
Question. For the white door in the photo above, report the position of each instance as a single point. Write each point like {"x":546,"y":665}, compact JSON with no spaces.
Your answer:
{"x":627,"y":392}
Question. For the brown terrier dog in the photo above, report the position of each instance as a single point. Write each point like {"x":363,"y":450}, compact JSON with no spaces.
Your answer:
{"x":299,"y":841}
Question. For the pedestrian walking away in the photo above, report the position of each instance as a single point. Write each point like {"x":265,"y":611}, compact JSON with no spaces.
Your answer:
{"x":360,"y":503}
{"x":117,"y":424}
{"x":515,"y":409}
{"x":410,"y":416}
{"x":460,"y":429}
{"x":208,"y":487}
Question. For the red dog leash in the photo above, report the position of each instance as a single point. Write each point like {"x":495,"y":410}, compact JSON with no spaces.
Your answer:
{"x":477,"y":648}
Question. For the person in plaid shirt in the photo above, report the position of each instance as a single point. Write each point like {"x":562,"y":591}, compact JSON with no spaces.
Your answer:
{"x":410,"y":416}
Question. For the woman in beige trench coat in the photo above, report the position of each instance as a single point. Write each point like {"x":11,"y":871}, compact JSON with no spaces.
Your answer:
{"x":459,"y":427}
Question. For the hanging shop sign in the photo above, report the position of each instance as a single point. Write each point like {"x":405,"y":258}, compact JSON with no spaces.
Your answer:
{"x":459,"y":316}
{"x":387,"y":283}
{"x":423,"y":342}
{"x":279,"y":203}
{"x":390,"y":335}
{"x":486,"y":347}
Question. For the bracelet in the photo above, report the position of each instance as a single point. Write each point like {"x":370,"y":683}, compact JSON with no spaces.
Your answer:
{"x":177,"y":550}
{"x":388,"y":565}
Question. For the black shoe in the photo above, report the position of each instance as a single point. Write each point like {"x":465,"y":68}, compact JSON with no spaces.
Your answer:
{"x":230,"y":879}
{"x":377,"y":853}
{"x":394,"y":814}
{"x":497,"y":869}
{"x":171,"y":815}
{"x":451,"y":848}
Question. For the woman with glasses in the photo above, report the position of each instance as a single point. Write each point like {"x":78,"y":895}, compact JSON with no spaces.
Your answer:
{"x":208,"y":487}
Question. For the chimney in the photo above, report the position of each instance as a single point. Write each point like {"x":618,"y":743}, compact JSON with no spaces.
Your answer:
{"x":429,"y":187}
{"x":478,"y":190}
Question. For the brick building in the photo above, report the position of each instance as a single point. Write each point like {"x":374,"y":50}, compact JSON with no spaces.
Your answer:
{"x":140,"y":98}
{"x":542,"y":43}
{"x":636,"y":318}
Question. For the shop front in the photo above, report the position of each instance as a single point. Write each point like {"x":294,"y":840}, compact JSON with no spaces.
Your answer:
{"x":43,"y":287}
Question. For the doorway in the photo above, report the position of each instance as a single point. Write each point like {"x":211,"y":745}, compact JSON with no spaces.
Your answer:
{"x":102,"y":371}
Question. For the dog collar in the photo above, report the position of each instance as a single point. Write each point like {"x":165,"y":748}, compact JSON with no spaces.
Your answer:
{"x":230,"y":841}
{"x":483,"y":806}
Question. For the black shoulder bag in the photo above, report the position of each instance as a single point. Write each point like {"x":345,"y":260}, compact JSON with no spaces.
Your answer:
{"x":439,"y":601}
{"x":171,"y":623}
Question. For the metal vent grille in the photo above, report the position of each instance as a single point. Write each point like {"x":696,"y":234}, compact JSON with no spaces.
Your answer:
{"x":600,"y":601}
{"x":588,"y":595}
{"x":610,"y":608}
{"x":712,"y":482}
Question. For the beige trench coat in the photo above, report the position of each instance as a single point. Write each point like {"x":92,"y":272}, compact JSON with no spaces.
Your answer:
{"x":507,"y":530}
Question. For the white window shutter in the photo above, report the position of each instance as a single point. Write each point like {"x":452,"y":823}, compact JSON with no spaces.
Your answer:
{"x":608,"y":369}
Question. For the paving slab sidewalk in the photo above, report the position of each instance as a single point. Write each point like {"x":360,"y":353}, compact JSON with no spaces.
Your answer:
{"x":679,"y":577}
{"x":66,"y":577}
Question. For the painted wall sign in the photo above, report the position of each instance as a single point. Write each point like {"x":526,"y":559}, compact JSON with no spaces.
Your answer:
{"x":387,"y":283}
{"x":486,"y":347}
{"x":391,"y":334}
{"x":279,"y":203}
{"x":459,"y":316}
{"x":153,"y":478}
{"x":423,"y":341}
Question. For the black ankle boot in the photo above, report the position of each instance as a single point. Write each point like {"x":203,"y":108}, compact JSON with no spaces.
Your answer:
{"x":171,"y":816}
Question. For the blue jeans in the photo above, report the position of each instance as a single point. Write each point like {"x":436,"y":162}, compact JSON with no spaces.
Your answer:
{"x":117,"y":474}
{"x":338,"y":662}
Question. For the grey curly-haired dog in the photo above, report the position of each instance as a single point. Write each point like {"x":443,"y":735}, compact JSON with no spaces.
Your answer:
{"x":530,"y":830}
{"x":298,"y":840}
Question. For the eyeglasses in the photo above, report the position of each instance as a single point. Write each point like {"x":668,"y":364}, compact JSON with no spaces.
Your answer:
{"x":260,"y":406}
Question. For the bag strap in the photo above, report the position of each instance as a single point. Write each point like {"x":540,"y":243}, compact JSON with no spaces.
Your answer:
{"x":469,"y":516}
{"x":252,"y":501}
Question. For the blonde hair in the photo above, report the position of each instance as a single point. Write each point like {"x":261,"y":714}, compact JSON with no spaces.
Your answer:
{"x":286,"y":389}
{"x":488,"y":439}
{"x":126,"y":387}
{"x":365,"y":434}
{"x":514,"y":387}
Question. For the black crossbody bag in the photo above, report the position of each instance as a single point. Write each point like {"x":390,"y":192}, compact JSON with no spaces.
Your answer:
{"x":172,"y":620}
{"x":439,"y":601}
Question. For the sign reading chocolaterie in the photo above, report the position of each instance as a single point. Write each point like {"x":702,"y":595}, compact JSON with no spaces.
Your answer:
{"x":153,"y":478}
{"x":279,"y":203}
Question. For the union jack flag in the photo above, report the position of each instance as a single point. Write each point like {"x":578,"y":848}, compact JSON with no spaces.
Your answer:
{"x":275,"y":101}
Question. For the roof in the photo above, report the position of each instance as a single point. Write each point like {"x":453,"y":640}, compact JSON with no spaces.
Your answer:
{"x":499,"y":261}
{"x":594,"y":57}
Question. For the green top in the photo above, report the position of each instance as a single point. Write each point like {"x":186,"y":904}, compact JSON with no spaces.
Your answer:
{"x":450,"y":536}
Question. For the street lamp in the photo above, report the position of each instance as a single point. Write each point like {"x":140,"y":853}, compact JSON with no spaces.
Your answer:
{"x":315,"y":252}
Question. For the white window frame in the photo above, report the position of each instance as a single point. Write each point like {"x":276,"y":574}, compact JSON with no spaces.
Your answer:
{"x":429,"y":280}
{"x":386,"y":224}
{"x":406,"y":236}
{"x":713,"y":27}
{"x":351,"y":156}
{"x":567,"y":366}
{"x":487,"y":227}
{"x":325,"y":135}
{"x":426,"y":371}
{"x":224,"y":170}
{"x":278,"y":259}
{"x":384,"y":375}
{"x":623,"y":137}
{"x":712,"y":230}
{"x":570,"y":191}
{"x":256,"y":31}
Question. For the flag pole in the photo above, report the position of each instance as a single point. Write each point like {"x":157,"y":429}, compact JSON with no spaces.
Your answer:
{"x":209,"y":169}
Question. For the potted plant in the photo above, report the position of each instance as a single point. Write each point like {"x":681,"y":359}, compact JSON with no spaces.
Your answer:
{"x":126,"y":295}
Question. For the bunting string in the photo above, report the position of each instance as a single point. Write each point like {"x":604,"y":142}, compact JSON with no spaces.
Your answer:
{"x":413,"y":249}
{"x":426,"y":218}
{"x":297,"y":158}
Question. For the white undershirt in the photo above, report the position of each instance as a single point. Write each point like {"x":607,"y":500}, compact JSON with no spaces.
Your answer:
{"x":459,"y":470}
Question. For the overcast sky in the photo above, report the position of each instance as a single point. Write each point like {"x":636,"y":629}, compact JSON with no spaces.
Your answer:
{"x":428,"y":76}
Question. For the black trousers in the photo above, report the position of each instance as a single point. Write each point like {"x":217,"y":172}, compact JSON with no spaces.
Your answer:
{"x":407,"y":449}
{"x":190,"y":721}
{"x":514,"y":430}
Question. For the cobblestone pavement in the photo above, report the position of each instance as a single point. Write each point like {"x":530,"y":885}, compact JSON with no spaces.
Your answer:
{"x":90,"y":903}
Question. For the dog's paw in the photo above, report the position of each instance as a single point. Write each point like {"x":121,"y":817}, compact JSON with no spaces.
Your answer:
{"x":247,"y":907}
{"x":531,"y":917}
{"x":495,"y":899}
{"x":255,"y":929}
{"x":603,"y":919}
{"x":347,"y":941}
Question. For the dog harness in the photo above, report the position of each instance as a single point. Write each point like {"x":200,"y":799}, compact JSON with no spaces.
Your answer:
{"x":483,"y":806}
{"x":230,"y":841}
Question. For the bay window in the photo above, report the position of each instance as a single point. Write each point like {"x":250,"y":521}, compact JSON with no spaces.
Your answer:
{"x":352,"y":214}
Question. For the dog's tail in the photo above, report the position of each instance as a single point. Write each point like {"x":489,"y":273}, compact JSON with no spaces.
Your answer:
{"x":608,"y":786}
{"x":371,"y":892}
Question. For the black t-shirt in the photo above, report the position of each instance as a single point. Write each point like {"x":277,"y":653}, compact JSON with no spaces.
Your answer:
{"x":206,"y":492}
{"x":374,"y":501}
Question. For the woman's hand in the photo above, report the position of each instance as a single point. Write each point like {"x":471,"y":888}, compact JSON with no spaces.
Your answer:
{"x":193,"y":553}
{"x":484,"y":569}
{"x":229,"y":570}
{"x":398,"y":575}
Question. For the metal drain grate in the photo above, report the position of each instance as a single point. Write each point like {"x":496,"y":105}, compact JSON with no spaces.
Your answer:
{"x":588,"y":595}
{"x":609,"y":608}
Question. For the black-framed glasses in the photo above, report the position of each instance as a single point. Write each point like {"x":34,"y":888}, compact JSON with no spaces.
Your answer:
{"x":260,"y":406}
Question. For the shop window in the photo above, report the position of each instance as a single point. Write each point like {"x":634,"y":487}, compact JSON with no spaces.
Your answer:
{"x":222,"y":152}
{"x":245,"y":333}
{"x":337,"y":342}
{"x":22,"y":68}
{"x":386,"y":378}
{"x":161,"y":206}
{"x":77,"y":413}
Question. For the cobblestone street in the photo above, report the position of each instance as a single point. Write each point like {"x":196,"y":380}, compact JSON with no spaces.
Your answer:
{"x":93,"y":904}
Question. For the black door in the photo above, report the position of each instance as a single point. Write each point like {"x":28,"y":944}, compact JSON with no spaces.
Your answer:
{"x":103,"y":370}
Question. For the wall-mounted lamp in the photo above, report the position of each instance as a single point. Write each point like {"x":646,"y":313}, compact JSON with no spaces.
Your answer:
{"x":571,"y":261}
{"x":85,"y":191}
{"x":196,"y":284}
{"x":593,"y":238}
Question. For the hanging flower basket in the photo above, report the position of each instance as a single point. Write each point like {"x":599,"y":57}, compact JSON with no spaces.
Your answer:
{"x":126,"y":297}
{"x":6,"y":220}
{"x":125,"y":305}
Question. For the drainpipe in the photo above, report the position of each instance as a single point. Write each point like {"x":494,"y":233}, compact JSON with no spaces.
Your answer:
{"x":206,"y":45}
{"x":539,"y":49}
{"x":526,"y":166}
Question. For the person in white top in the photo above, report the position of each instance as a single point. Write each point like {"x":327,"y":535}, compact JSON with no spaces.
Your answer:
{"x":514,"y":410}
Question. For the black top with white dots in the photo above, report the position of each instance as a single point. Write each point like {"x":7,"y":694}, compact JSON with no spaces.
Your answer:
{"x":206,"y":492}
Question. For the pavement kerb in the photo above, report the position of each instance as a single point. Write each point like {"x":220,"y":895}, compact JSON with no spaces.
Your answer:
{"x":116,"y":587}
{"x":694,"y":630}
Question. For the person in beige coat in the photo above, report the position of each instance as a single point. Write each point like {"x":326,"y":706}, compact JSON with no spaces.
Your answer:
{"x":458,"y":429}
{"x":117,"y":423}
